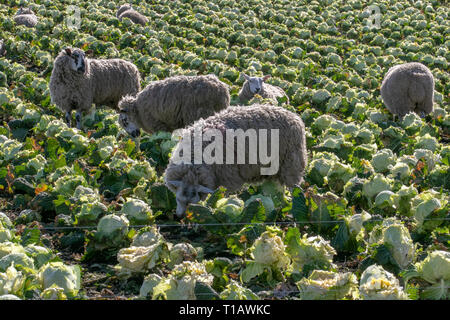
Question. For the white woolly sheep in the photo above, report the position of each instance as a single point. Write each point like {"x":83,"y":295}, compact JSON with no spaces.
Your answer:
{"x":173,"y":103}
{"x":77,"y":82}
{"x":191,"y":182}
{"x":408,"y":88}
{"x":126,"y":11}
{"x":257,"y":85}
{"x":26,"y":17}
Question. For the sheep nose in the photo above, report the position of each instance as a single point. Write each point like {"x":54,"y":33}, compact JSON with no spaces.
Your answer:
{"x":136,"y":133}
{"x":180,"y":211}
{"x":81,"y":69}
{"x":257,"y":89}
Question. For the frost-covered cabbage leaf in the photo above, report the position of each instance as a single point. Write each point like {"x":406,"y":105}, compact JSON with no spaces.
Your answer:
{"x":268,"y":252}
{"x":181,"y":252}
{"x":67,"y":277}
{"x":313,"y":252}
{"x":234,"y":291}
{"x":396,"y":238}
{"x":327,"y":285}
{"x":435,"y":269}
{"x":12,"y":282}
{"x":137,"y":211}
{"x":180,"y":283}
{"x":141,"y":259}
{"x":112,"y":228}
{"x":378,"y":284}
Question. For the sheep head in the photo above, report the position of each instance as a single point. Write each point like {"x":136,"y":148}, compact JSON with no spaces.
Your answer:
{"x":78,"y":61}
{"x":24,"y":11}
{"x":255,"y":83}
{"x":123,"y":8}
{"x":187,"y":191}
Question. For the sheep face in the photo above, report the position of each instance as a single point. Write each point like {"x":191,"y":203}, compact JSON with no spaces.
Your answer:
{"x":255,"y":83}
{"x":131,"y":128}
{"x":187,"y":193}
{"x":78,"y":60}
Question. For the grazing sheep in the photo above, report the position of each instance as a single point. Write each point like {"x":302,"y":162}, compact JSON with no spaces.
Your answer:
{"x":257,"y":85}
{"x":26,"y":17}
{"x":77,"y":82}
{"x":126,"y":11}
{"x":173,"y":103}
{"x":123,"y":8}
{"x":191,"y":181}
{"x":408,"y":88}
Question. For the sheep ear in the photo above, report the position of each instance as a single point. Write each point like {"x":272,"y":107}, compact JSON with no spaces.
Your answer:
{"x":203,"y":189}
{"x":68,"y":51}
{"x":246,"y":77}
{"x":266,"y":77}
{"x":175,"y":183}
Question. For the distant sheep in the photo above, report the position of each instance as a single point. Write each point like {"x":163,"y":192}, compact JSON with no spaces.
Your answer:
{"x":126,"y":11}
{"x":77,"y":82}
{"x":408,"y":88}
{"x":26,"y":17}
{"x":123,"y":8}
{"x":173,"y":103}
{"x":190,"y":181}
{"x":257,"y":85}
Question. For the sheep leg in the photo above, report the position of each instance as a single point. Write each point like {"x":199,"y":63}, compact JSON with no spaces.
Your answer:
{"x":78,"y":119}
{"x":68,"y":118}
{"x":137,"y":143}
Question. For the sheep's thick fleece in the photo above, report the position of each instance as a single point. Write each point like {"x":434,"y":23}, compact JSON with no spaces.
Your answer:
{"x":105,"y":82}
{"x":134,"y":16}
{"x":176,"y":102}
{"x":408,"y":88}
{"x":26,"y":17}
{"x":123,"y":8}
{"x":292,"y":149}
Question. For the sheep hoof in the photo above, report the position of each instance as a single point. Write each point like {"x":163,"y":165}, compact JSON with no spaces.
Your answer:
{"x":78,"y":120}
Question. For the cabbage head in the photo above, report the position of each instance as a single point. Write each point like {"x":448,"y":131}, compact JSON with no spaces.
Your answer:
{"x":67,"y":277}
{"x":328,"y":285}
{"x":378,"y":284}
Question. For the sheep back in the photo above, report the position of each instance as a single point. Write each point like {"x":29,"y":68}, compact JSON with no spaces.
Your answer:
{"x":123,"y":8}
{"x":112,"y":79}
{"x":134,"y":16}
{"x":28,"y":20}
{"x":273,"y":92}
{"x":178,"y":101}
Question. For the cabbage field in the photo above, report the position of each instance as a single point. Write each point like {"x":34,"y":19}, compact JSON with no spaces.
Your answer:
{"x":85,"y":213}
